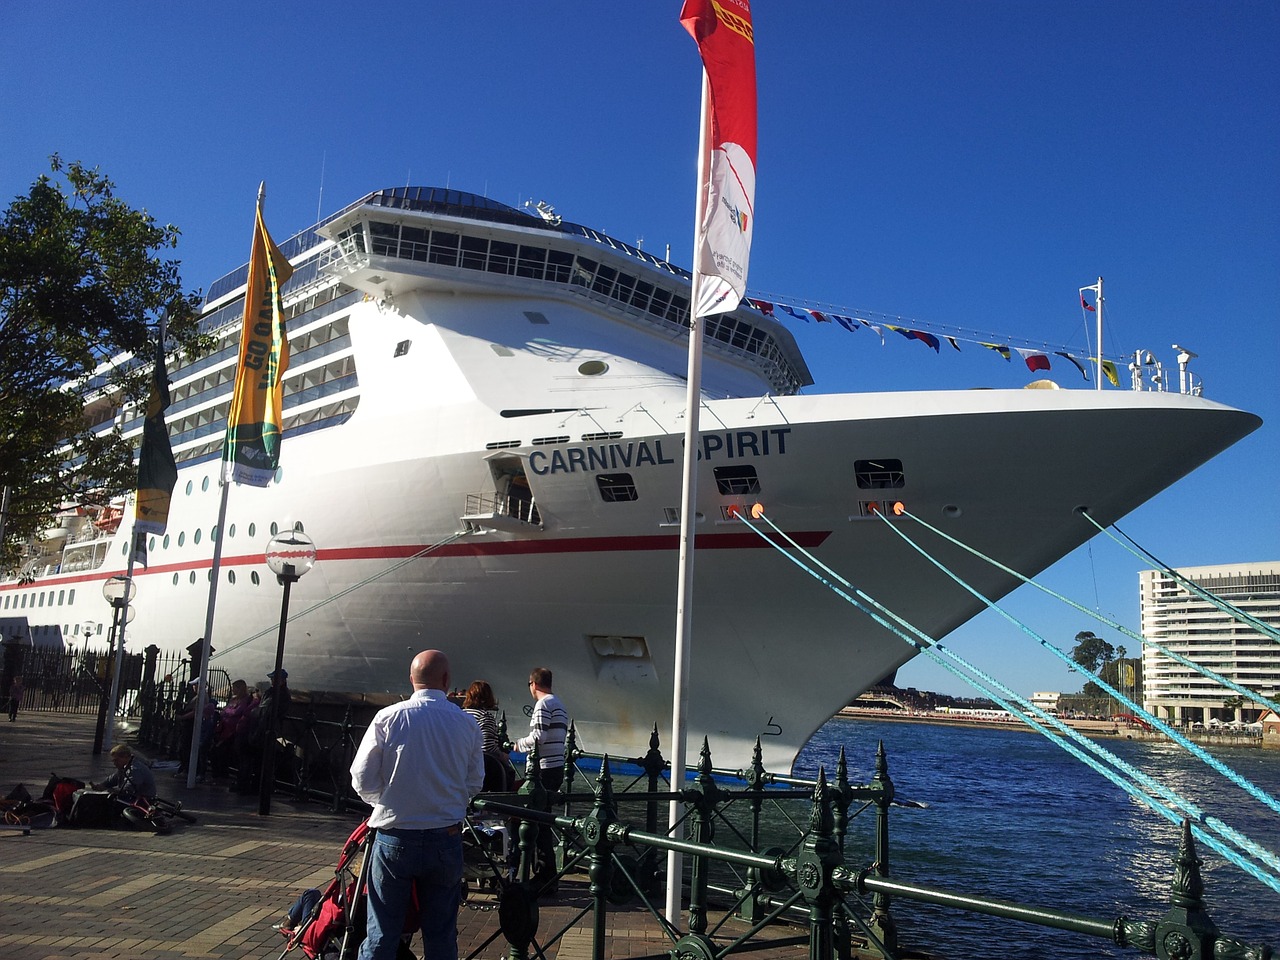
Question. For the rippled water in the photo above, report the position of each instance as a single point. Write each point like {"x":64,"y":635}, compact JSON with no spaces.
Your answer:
{"x":1014,"y":817}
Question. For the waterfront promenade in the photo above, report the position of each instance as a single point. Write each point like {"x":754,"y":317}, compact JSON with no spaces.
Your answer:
{"x":211,"y":889}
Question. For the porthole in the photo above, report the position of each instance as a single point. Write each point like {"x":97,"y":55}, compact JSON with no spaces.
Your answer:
{"x":195,"y":537}
{"x":254,"y":578}
{"x":166,"y":541}
{"x":213,"y":533}
{"x":204,"y":485}
{"x":253,"y":530}
{"x":951,"y":510}
{"x":124,"y":549}
{"x":275,"y":528}
{"x":182,"y":538}
{"x":71,"y":595}
{"x":193,"y":576}
{"x":189,"y":486}
{"x":231,"y":531}
{"x":297,"y":526}
{"x":593,"y":368}
{"x":153,"y":543}
{"x":175,"y":579}
{"x":231,"y":576}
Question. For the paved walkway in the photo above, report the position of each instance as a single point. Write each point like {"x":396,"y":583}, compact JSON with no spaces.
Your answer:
{"x":212,"y":889}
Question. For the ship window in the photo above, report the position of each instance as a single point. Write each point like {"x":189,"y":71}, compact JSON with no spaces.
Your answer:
{"x":41,"y":603}
{"x":204,"y":484}
{"x":502,"y":257}
{"x":583,"y":272}
{"x":604,"y":280}
{"x":644,"y":290}
{"x":559,"y":266}
{"x":593,"y":368}
{"x":153,"y":544}
{"x":275,"y":528}
{"x":182,"y":538}
{"x":534,"y":316}
{"x":737,"y":479}
{"x":189,"y":487}
{"x":193,"y":576}
{"x":71,"y":595}
{"x":532,"y":262}
{"x":231,"y":531}
{"x":254,"y":578}
{"x":175,"y":579}
{"x":62,"y":595}
{"x":297,"y":525}
{"x":414,"y":243}
{"x":659,"y":301}
{"x":444,"y":248}
{"x":196,"y":537}
{"x":616,"y":487}
{"x":878,"y":474}
{"x":166,"y":541}
{"x":253,"y":527}
{"x":231,"y":576}
{"x":474,"y":252}
{"x":402,"y":348}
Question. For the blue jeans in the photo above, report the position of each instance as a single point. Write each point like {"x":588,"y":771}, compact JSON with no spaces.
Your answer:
{"x":430,"y":860}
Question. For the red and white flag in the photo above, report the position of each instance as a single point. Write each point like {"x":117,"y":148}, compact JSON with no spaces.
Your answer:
{"x":727,"y":167}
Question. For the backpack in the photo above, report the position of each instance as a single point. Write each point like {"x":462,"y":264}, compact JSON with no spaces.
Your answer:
{"x":92,"y":808}
{"x":59,"y":792}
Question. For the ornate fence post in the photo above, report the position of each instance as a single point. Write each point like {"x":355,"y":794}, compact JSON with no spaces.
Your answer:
{"x":595,"y":834}
{"x":705,"y":795}
{"x":146,"y":726}
{"x":751,"y":909}
{"x":653,"y":764}
{"x":535,"y":798}
{"x":342,"y":787}
{"x":817,"y":860}
{"x":881,"y":919}
{"x":841,"y":797}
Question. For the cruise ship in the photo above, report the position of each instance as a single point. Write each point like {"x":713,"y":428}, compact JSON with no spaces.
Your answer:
{"x":484,"y":421}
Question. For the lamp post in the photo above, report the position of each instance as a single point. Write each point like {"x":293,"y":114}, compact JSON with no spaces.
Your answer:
{"x":117,"y":591}
{"x":289,"y":555}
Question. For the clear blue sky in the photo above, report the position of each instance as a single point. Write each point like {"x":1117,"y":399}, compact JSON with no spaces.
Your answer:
{"x":963,"y":164}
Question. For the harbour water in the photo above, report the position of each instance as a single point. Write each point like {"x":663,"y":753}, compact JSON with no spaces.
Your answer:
{"x":1010,"y":815}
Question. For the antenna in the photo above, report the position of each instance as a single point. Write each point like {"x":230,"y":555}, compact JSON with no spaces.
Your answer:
{"x":320,"y":199}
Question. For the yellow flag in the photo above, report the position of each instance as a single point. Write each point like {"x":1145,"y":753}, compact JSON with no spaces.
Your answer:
{"x":251,"y":452}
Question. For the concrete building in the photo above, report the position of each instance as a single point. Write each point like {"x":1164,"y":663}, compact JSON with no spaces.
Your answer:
{"x":1195,"y":628}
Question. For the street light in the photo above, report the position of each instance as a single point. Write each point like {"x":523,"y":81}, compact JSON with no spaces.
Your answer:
{"x":117,"y":591}
{"x":289,"y":555}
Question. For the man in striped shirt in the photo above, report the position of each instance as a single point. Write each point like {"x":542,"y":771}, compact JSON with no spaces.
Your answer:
{"x":548,"y":727}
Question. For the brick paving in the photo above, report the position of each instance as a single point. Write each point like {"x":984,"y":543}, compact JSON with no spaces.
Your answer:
{"x":214,"y":888}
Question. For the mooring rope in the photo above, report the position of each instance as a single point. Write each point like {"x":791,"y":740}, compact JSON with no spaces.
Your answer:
{"x":342,"y":593}
{"x":1107,"y":621}
{"x":1142,"y":553}
{"x":1239,"y":780}
{"x":989,"y":685}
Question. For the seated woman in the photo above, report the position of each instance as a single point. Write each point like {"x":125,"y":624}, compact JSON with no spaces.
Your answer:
{"x":480,"y":702}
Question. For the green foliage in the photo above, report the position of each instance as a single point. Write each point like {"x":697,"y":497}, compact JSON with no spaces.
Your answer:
{"x":82,"y":290}
{"x":1092,"y":653}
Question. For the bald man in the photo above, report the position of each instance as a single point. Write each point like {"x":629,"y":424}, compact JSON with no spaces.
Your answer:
{"x":419,"y":764}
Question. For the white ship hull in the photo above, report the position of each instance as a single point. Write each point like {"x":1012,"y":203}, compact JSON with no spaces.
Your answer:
{"x":407,"y":561}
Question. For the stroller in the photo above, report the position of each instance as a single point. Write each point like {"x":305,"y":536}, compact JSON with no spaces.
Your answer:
{"x":329,"y":924}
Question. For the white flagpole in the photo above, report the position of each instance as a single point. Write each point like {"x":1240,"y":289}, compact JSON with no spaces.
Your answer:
{"x":688,"y":520}
{"x":1100,"y":374}
{"x":216,"y":567}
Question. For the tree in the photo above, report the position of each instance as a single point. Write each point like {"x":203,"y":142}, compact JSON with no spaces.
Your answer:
{"x":82,"y":289}
{"x":1093,"y":654}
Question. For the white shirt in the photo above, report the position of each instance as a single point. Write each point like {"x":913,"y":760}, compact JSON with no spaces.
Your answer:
{"x":419,"y":764}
